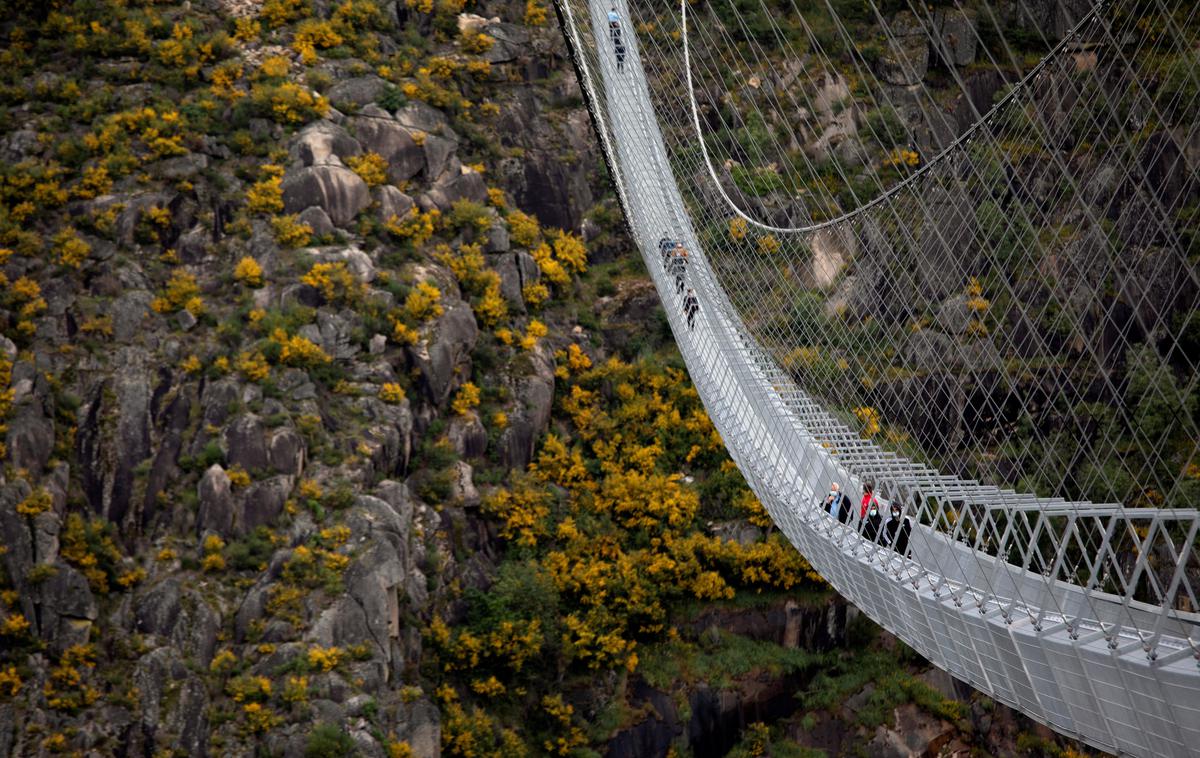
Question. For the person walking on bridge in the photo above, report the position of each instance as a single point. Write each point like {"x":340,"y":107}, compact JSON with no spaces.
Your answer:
{"x":868,"y":499}
{"x":665,"y":246}
{"x":690,"y":306}
{"x":619,"y":51}
{"x":614,"y":24}
{"x":679,"y":266}
{"x":872,"y":523}
{"x":897,"y":529}
{"x":837,"y":504}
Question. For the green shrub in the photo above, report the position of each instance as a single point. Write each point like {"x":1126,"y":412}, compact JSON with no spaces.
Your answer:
{"x":329,"y":741}
{"x":392,"y":98}
{"x":251,"y":552}
{"x":887,"y":128}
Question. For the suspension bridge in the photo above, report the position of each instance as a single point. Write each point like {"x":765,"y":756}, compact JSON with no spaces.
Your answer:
{"x":981,"y":352}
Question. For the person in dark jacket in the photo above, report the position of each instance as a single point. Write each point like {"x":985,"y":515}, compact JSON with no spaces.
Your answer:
{"x":679,"y":266}
{"x":897,"y":529}
{"x":837,"y":504}
{"x":690,"y":306}
{"x":871,"y":523}
{"x":665,"y":246}
{"x":619,"y":50}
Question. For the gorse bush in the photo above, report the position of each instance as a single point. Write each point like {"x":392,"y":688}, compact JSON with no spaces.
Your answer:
{"x":605,"y":538}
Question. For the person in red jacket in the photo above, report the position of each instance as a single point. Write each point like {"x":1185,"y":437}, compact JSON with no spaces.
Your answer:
{"x":868,"y":499}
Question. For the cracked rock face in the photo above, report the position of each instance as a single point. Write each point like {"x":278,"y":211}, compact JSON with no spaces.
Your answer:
{"x":337,"y":190}
{"x":392,"y":140}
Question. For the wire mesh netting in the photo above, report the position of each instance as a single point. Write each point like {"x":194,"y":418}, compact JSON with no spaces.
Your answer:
{"x":947,"y":250}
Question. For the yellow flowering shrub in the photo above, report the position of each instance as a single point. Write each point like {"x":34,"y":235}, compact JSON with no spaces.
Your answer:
{"x":94,"y":182}
{"x":416,"y":227}
{"x":468,"y":265}
{"x":738,"y":228}
{"x":424,"y":302}
{"x":533,"y":333}
{"x":67,"y":689}
{"x":277,"y":13}
{"x":404,"y":334}
{"x":466,"y":399}
{"x":508,"y":644}
{"x":522,"y":511}
{"x":248,"y":272}
{"x":567,"y":736}
{"x":312,"y":35}
{"x":550,"y":267}
{"x":535,"y":294}
{"x":14,"y":625}
{"x":249,"y":689}
{"x":247,"y":29}
{"x":10,"y":682}
{"x":903,"y":158}
{"x":274,"y":67}
{"x":869,"y":418}
{"x":266,"y":196}
{"x":491,"y":308}
{"x":523,"y":229}
{"x":310,"y":489}
{"x":325,"y":658}
{"x":69,"y":249}
{"x":371,"y":168}
{"x":212,"y":548}
{"x":182,"y":292}
{"x":295,"y":690}
{"x":391,"y":393}
{"x":336,"y":283}
{"x":976,"y":302}
{"x":570,"y":251}
{"x":259,"y":719}
{"x":223,"y":661}
{"x":288,"y":103}
{"x":253,"y":366}
{"x":224,"y":80}
{"x":299,"y":351}
{"x":490,"y":687}
{"x":476,"y":43}
{"x":291,"y":232}
{"x":38,"y":501}
{"x":238,"y":476}
{"x":577,"y":360}
{"x":398,"y":749}
{"x":88,"y":546}
{"x":535,"y":13}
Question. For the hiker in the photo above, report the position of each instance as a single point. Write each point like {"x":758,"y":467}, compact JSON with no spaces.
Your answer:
{"x":690,"y":306}
{"x":614,"y":24}
{"x":620,"y":53}
{"x":665,"y":246}
{"x":837,"y":504}
{"x":871,"y":524}
{"x":897,"y":530}
{"x":867,"y":499}
{"x":679,"y":266}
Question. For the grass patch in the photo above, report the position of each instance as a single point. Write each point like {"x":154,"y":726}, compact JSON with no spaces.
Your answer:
{"x":720,"y":661}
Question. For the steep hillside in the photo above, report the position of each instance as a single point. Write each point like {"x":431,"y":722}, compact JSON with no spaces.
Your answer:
{"x":339,"y":417}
